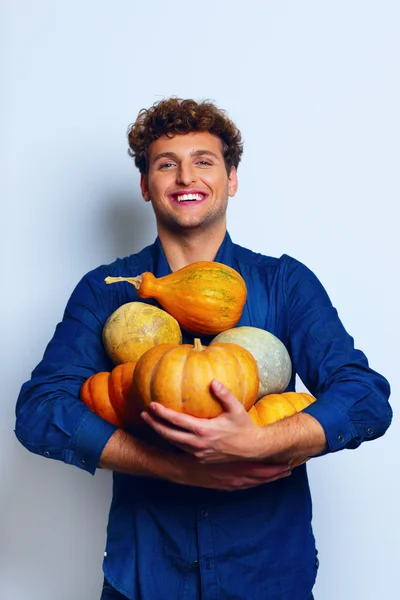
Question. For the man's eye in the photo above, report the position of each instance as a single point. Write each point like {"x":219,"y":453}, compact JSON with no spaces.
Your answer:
{"x":204,"y":162}
{"x":166,"y":165}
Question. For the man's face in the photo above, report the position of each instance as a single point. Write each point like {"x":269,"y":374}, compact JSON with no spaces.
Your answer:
{"x":187,"y":182}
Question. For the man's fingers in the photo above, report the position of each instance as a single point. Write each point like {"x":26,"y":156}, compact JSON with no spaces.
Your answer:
{"x":176,"y":436}
{"x":229,"y":402}
{"x":265,"y":471}
{"x":245,"y":483}
{"x":178,"y":419}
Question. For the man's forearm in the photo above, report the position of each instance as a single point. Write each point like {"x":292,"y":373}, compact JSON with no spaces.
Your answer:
{"x":293,"y":438}
{"x":127,"y":454}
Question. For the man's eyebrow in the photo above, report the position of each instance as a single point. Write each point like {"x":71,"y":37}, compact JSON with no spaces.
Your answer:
{"x":175,"y":157}
{"x":202,"y":152}
{"x":171,"y":155}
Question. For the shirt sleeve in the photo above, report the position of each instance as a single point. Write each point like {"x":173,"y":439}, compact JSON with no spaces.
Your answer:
{"x":352,"y":399}
{"x":51,"y":420}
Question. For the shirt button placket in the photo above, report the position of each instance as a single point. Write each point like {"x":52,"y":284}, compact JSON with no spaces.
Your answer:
{"x":206,"y":554}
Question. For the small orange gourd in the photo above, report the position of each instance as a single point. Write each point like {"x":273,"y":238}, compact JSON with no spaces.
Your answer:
{"x":110,"y":395}
{"x":204,"y":297}
{"x":274,"y":407}
{"x":179,"y":377}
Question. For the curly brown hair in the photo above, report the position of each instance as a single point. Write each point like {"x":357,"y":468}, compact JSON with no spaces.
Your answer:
{"x":176,"y":116}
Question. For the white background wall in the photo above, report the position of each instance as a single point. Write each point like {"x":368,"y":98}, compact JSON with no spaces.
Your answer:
{"x":314,"y":87}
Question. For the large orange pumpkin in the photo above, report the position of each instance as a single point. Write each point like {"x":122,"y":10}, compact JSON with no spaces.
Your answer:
{"x":110,"y":395}
{"x":179,"y":377}
{"x":204,"y":297}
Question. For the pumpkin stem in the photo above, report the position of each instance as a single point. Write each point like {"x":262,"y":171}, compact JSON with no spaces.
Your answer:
{"x":136,"y":281}
{"x":197,"y":345}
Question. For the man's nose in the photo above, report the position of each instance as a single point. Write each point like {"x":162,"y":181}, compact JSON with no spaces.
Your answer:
{"x":186,"y":174}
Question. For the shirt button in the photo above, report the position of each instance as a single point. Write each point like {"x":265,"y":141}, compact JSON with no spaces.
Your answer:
{"x":316,"y":563}
{"x":340,"y":438}
{"x":370,"y":431}
{"x":204,"y":513}
{"x":46,"y":453}
{"x":195,"y":564}
{"x":82,"y":461}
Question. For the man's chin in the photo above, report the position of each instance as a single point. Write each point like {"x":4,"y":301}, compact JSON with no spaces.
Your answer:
{"x":193,"y":224}
{"x":186,"y":225}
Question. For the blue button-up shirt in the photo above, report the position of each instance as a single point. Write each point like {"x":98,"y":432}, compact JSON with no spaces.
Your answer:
{"x":168,"y":540}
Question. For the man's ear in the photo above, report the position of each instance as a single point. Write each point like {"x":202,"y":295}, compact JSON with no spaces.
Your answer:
{"x":233,"y":182}
{"x":144,"y":186}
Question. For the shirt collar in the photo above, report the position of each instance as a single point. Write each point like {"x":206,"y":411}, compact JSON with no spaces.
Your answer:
{"x":224,"y":256}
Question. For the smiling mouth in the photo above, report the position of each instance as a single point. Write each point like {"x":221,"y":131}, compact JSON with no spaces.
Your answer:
{"x":188,"y":197}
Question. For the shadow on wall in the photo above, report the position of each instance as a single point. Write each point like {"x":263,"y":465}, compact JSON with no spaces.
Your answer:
{"x":128,"y":224}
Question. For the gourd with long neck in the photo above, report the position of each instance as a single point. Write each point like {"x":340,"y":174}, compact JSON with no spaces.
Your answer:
{"x":204,"y":297}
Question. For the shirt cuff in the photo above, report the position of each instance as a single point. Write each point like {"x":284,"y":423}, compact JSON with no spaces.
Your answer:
{"x":335,"y":423}
{"x":89,"y":441}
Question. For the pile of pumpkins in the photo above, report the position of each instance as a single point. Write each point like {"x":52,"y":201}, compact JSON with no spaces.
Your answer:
{"x":152,"y":364}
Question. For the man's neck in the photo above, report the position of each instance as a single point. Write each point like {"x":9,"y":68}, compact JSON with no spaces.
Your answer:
{"x":184,"y":249}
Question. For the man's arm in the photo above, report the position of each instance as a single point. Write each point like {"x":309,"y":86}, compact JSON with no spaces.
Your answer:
{"x":51,"y":420}
{"x":352,"y":399}
{"x":128,"y":455}
{"x":293,"y":439}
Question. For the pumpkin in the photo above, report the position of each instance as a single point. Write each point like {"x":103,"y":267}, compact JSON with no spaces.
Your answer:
{"x":274,"y":407}
{"x":110,"y":395}
{"x":134,"y":328}
{"x":273,"y":360}
{"x":204,"y":297}
{"x":179,"y":377}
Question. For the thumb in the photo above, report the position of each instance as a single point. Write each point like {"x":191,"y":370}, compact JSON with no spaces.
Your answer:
{"x":229,"y":402}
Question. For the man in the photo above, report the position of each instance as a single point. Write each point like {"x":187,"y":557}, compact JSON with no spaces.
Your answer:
{"x":226,"y":518}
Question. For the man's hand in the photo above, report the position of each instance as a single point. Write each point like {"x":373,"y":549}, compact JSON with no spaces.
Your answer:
{"x":228,"y":477}
{"x":232,"y":436}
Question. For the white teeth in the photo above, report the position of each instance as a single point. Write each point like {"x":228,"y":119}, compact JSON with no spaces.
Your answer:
{"x":186,"y":197}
